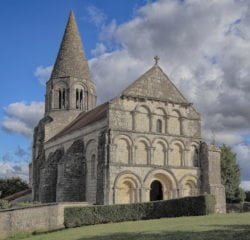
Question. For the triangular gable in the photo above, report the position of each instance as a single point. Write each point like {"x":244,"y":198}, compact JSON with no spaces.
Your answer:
{"x":155,"y":84}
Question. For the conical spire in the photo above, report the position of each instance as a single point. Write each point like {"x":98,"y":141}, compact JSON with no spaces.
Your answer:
{"x":71,"y":59}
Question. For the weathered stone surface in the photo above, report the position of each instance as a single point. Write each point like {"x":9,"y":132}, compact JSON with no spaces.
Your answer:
{"x":142,"y":145}
{"x":71,"y":181}
{"x":71,"y":59}
{"x":38,"y":155}
{"x":211,"y":175}
{"x":70,"y":86}
{"x":101,"y":168}
{"x":156,"y":85}
{"x":39,"y":218}
{"x":48,"y":178}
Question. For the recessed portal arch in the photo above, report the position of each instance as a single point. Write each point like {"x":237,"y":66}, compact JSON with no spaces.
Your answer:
{"x":158,"y":181}
{"x":126,"y":188}
{"x":156,"y":191}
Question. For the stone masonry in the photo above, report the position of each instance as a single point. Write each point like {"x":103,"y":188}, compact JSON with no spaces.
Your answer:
{"x":143,"y":145}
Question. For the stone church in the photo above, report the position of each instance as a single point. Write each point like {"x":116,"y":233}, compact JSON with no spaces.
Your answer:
{"x":143,"y":145}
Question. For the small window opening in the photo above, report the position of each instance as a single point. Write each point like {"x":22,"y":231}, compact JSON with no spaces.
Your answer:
{"x":81,"y":99}
{"x":159,"y":126}
{"x":77,"y":99}
{"x":60,"y":99}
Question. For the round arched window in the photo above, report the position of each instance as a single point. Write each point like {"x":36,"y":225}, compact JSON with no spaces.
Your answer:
{"x":159,"y":126}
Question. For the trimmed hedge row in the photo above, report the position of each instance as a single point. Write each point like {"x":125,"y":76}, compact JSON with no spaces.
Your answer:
{"x":238,"y":207}
{"x":187,"y":206}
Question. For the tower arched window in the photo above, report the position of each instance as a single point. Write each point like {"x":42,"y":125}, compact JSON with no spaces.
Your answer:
{"x":77,"y":99}
{"x":60,"y":99}
{"x":159,"y":126}
{"x":81,"y":99}
{"x":63,"y":98}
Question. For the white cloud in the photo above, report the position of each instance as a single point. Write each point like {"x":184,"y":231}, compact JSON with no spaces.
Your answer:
{"x":43,"y":73}
{"x":95,"y":15}
{"x":219,"y":137}
{"x":204,"y":48}
{"x":15,"y":163}
{"x":245,"y":185}
{"x":205,"y":58}
{"x":99,"y":50}
{"x":243,"y":157}
{"x":22,"y":118}
{"x":8,"y":170}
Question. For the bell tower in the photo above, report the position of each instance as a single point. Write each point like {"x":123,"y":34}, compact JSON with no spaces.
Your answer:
{"x":70,"y":87}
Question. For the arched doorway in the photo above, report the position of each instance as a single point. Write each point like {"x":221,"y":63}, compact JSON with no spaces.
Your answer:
{"x":126,"y":189}
{"x":126,"y":192}
{"x":156,"y":191}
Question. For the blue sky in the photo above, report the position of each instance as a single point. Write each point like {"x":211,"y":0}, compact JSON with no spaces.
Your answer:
{"x":31,"y":34}
{"x":203,"y":45}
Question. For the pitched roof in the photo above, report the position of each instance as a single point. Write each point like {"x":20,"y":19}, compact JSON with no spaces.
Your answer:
{"x":71,"y":59}
{"x":155,"y":84}
{"x":18,"y":194}
{"x":83,"y":119}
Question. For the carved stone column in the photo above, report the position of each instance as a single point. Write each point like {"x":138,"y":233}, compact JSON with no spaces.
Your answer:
{"x":181,"y":119}
{"x":169,"y":156}
{"x":166,"y":124}
{"x":150,"y":155}
{"x":166,"y":157}
{"x":132,"y":155}
{"x":150,"y":116}
{"x":185,"y":157}
{"x":134,"y":120}
{"x":145,"y":194}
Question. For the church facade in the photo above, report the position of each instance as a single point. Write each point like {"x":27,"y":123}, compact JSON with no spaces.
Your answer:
{"x":143,"y":145}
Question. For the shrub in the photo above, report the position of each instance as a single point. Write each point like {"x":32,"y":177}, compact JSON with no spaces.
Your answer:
{"x":188,"y":206}
{"x":4,"y":204}
{"x":246,"y":207}
{"x":12,"y":185}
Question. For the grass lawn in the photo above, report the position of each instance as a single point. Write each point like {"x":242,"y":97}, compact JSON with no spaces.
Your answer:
{"x":213,"y":227}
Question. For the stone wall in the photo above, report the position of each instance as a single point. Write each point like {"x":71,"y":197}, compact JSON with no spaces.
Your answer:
{"x":71,"y":181}
{"x":60,"y":120}
{"x":141,"y":116}
{"x":211,"y":175}
{"x":48,"y":178}
{"x":101,"y":168}
{"x":89,"y":135}
{"x":38,"y":155}
{"x":152,"y":140}
{"x":39,"y":218}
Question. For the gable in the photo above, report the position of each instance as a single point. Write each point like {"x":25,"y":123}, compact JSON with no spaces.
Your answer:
{"x":84,"y":119}
{"x":155,"y":84}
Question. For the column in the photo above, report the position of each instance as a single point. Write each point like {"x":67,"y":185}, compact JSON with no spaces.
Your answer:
{"x":150,"y":122}
{"x":150,"y":154}
{"x":133,"y":120}
{"x":132,"y":155}
{"x":166,"y":124}
{"x":181,"y":119}
{"x":185,"y":157}
{"x":166,"y":157}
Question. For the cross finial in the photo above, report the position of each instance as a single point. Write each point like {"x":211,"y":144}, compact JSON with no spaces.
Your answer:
{"x":157,"y":59}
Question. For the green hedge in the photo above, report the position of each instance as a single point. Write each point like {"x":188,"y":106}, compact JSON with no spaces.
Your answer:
{"x":4,"y":204}
{"x":187,"y":206}
{"x":238,"y":207}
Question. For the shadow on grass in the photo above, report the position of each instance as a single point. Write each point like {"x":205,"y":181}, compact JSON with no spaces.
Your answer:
{"x":227,"y":232}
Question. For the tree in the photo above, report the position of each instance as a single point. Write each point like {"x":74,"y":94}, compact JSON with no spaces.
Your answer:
{"x":10,"y":186}
{"x":230,"y":175}
{"x":248,"y":196}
